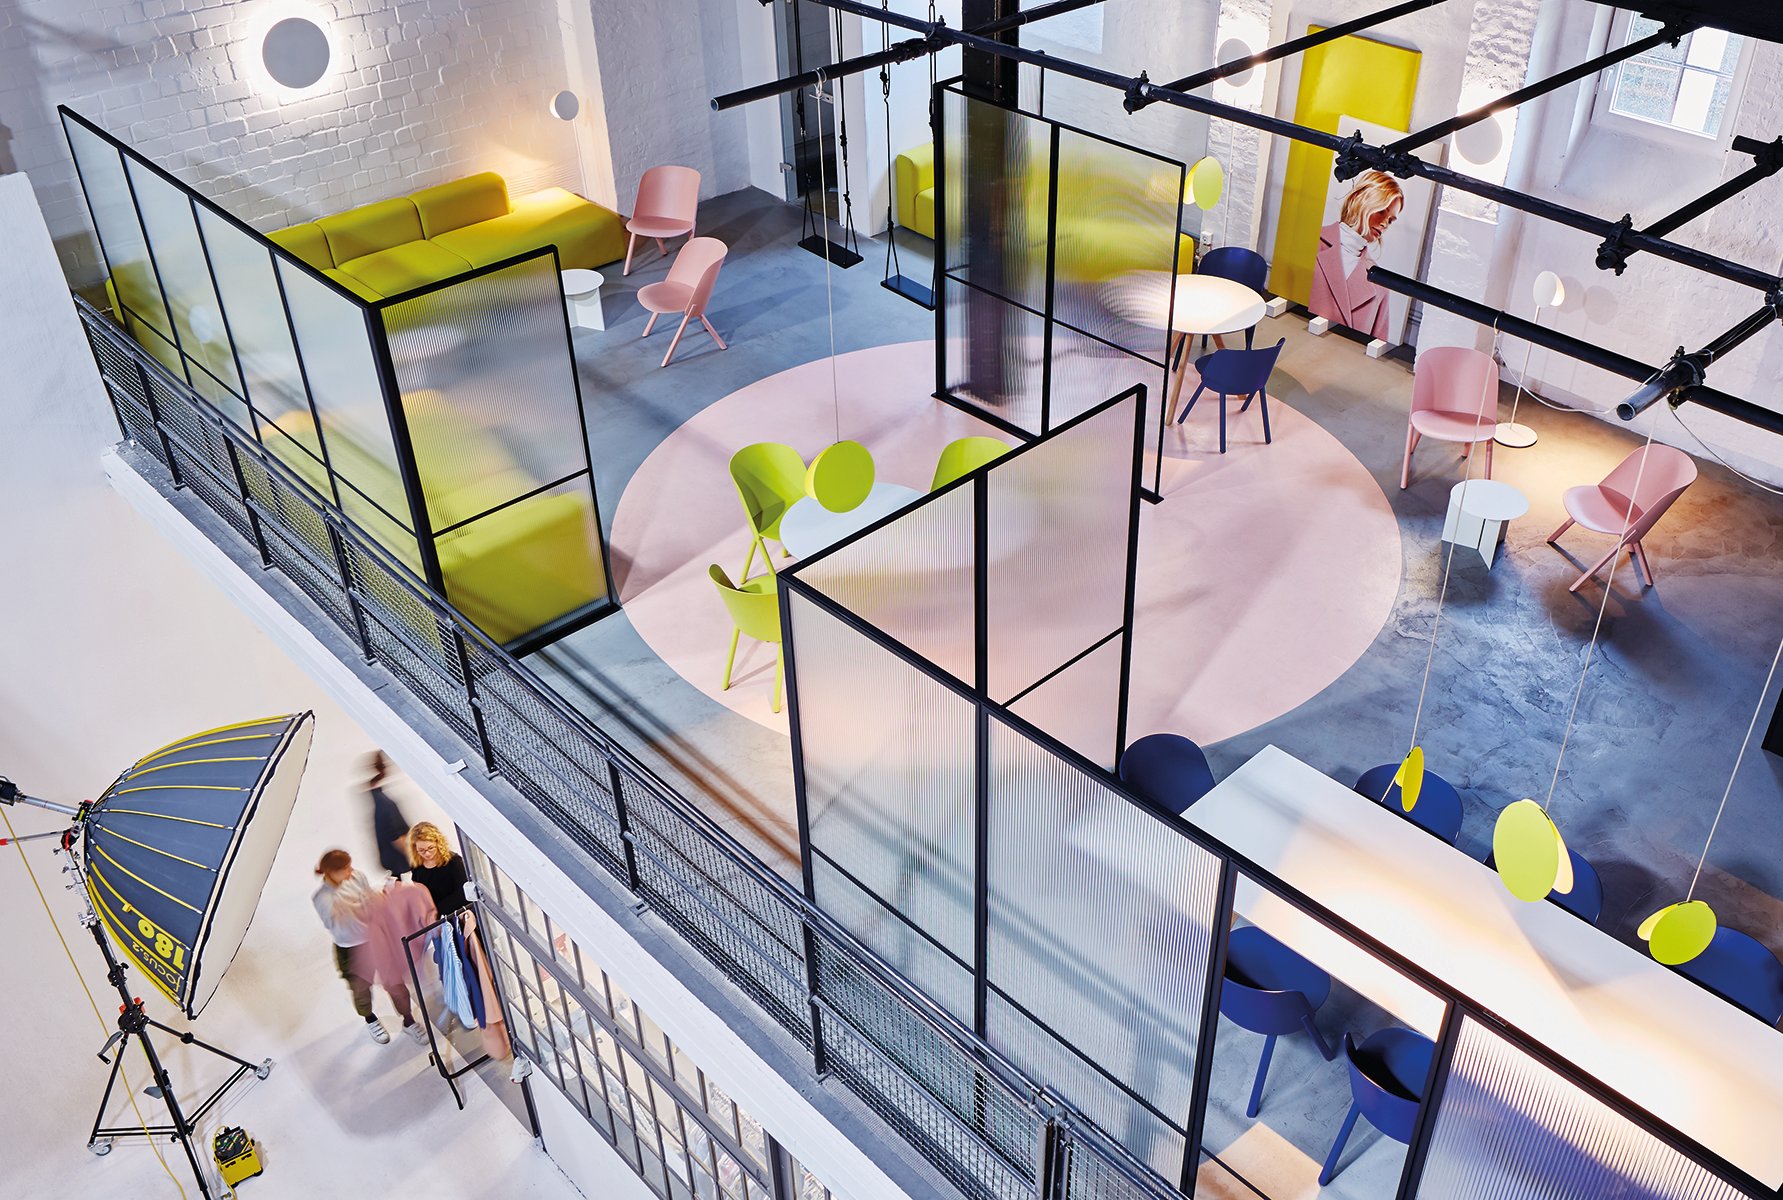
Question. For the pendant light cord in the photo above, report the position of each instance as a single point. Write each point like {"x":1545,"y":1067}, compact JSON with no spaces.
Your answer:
{"x":823,"y":188}
{"x":1763,"y":695}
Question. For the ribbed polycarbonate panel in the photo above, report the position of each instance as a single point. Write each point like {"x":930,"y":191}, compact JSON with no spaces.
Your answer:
{"x":996,"y":354}
{"x":130,"y":269}
{"x":1058,"y":705}
{"x":889,"y":788}
{"x":1511,"y":1129}
{"x":998,"y":166}
{"x":912,"y":579}
{"x":1099,"y":928}
{"x":249,"y":293}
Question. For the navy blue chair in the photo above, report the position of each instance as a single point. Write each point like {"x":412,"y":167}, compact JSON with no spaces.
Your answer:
{"x":1387,"y":1074}
{"x":1742,"y":971}
{"x":1236,"y":373}
{"x":1439,"y":804}
{"x":1167,"y":769}
{"x":1240,"y":266}
{"x":1585,"y":901}
{"x":1271,"y":990}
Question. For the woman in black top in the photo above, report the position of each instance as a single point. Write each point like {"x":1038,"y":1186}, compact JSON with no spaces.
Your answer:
{"x":436,"y":868}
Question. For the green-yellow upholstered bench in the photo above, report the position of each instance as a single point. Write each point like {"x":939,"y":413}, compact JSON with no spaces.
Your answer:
{"x":393,"y":246}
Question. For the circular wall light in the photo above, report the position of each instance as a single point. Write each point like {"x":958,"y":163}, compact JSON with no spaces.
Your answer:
{"x":1205,"y":182}
{"x":565,"y":105}
{"x":1231,"y":50}
{"x":1481,"y":142}
{"x":295,"y":52}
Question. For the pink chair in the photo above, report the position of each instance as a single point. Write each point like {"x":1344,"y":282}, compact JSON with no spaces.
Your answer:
{"x":668,"y":204}
{"x":687,"y":289}
{"x":1626,"y":509}
{"x":1454,"y":399}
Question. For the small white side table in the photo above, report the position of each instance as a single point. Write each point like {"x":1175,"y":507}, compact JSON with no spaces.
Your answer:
{"x":582,"y":290}
{"x":1479,"y":511}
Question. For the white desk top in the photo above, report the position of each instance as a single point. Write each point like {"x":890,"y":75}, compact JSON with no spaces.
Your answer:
{"x":579,"y":281}
{"x":808,"y":527}
{"x":1203,"y":303}
{"x":1687,"y":1057}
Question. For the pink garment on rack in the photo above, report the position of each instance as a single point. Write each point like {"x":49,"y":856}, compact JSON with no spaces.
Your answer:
{"x":397,"y":911}
{"x":495,"y":1030}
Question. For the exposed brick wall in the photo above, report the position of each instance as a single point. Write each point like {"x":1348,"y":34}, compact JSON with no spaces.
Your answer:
{"x":420,"y":91}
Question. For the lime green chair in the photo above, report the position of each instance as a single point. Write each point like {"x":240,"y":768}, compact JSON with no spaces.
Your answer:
{"x":754,"y":607}
{"x":770,"y":478}
{"x":964,"y":456}
{"x":841,"y":476}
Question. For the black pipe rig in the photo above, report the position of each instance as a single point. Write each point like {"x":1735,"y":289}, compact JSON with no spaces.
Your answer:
{"x":1685,"y":375}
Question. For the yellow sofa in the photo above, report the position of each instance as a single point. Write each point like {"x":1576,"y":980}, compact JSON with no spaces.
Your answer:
{"x":393,"y":246}
{"x":509,"y":572}
{"x":1095,"y":239}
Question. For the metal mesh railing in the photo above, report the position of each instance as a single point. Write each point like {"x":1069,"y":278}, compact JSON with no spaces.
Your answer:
{"x":978,"y":1123}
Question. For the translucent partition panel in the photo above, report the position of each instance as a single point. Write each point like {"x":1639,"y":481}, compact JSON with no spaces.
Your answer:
{"x":1085,"y":372}
{"x":1511,"y":1129}
{"x":1059,"y":705}
{"x":255,"y":313}
{"x":996,"y":355}
{"x":527,"y":563}
{"x":890,"y":773}
{"x":1060,"y":515}
{"x":999,"y":163}
{"x":127,"y":259}
{"x":185,"y":279}
{"x":488,"y":387}
{"x":912,"y":579}
{"x":1098,"y":945}
{"x":1116,"y":219}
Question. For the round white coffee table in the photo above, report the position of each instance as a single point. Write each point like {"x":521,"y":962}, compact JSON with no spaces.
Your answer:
{"x":1188,"y":305}
{"x":582,"y":292}
{"x":1479,"y":512}
{"x":809,"y":528}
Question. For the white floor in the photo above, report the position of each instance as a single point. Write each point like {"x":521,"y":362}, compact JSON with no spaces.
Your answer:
{"x":112,"y":647}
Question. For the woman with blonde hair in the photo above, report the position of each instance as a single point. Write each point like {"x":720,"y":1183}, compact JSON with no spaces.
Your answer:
{"x":436,"y":868}
{"x":1341,"y":291}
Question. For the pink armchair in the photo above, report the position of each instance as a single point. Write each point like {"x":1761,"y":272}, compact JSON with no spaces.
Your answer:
{"x":1628,"y":503}
{"x":668,"y":205}
{"x":1454,"y":399}
{"x":687,"y":289}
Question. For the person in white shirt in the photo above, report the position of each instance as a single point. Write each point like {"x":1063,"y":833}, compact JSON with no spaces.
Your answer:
{"x":344,"y":901}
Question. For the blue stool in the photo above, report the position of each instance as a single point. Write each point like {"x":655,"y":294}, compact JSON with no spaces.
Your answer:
{"x":1387,"y":1074}
{"x":1167,"y":769}
{"x":1439,"y":804}
{"x":1585,"y":901}
{"x":1742,"y":971}
{"x":1271,"y":990}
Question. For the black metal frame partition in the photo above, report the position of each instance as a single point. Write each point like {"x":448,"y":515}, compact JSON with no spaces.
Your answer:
{"x":1461,"y":1015}
{"x":950,"y":275}
{"x":375,"y":315}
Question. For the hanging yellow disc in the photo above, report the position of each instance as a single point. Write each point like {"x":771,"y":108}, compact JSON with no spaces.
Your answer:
{"x":1530,"y":853}
{"x":1410,"y":778}
{"x":1678,"y":933}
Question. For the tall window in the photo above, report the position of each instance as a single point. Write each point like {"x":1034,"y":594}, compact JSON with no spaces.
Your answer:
{"x":1687,"y":87}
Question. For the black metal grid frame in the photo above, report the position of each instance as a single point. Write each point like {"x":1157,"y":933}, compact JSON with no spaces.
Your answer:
{"x":1069,"y":1122}
{"x":945,"y":275}
{"x":415,"y":521}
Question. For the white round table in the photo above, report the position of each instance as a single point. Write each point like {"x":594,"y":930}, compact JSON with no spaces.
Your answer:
{"x":1201,"y":304}
{"x":582,"y":290}
{"x":809,"y":528}
{"x":1479,"y":511}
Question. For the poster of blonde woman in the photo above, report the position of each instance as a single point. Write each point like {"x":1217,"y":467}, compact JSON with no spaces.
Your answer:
{"x":1372,"y":220}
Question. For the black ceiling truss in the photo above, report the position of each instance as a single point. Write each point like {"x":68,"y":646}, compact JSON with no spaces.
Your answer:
{"x":1679,"y":380}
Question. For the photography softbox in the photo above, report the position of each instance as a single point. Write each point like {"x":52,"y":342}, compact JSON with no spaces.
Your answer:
{"x":179,"y":848}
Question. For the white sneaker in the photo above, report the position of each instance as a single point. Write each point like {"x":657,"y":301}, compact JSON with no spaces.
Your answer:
{"x":378,"y":1033}
{"x":414,"y":1030}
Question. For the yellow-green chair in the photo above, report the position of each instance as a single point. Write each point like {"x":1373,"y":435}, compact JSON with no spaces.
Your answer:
{"x":964,"y":456}
{"x":841,"y":476}
{"x":754,"y":606}
{"x":770,"y":478}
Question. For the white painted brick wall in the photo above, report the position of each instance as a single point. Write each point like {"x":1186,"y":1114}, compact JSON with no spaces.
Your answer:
{"x":421,"y":91}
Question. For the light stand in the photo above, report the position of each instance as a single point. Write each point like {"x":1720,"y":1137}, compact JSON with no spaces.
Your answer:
{"x":134,"y":1022}
{"x":1550,"y":292}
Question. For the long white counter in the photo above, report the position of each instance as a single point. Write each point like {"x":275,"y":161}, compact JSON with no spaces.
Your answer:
{"x":1690,"y":1059}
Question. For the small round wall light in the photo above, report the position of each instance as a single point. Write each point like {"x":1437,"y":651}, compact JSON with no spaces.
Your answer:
{"x":295,"y":52}
{"x":1481,"y":142}
{"x":1205,"y":183}
{"x":565,"y":105}
{"x":1231,"y":50}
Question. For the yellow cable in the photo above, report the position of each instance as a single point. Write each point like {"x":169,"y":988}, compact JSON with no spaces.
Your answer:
{"x":122,"y":1074}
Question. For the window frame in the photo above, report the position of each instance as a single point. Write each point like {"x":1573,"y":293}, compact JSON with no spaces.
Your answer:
{"x":1605,"y":116}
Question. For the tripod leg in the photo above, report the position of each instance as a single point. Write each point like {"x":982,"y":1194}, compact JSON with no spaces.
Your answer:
{"x":188,"y":1039}
{"x":94,"y":1143}
{"x":182,"y":1130}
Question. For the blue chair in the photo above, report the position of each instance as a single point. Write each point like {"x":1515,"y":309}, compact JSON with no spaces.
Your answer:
{"x":1585,"y":901}
{"x":1169,"y":770}
{"x":1271,"y":990}
{"x":1742,"y":971}
{"x":1387,"y":1074}
{"x":1236,"y":373}
{"x":1439,"y":804}
{"x":1240,"y":266}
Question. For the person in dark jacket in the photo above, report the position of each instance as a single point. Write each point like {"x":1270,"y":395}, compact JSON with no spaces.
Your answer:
{"x":389,"y":828}
{"x":436,"y":867}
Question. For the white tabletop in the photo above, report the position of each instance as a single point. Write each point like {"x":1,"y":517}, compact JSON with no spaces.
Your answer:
{"x":1203,"y":303}
{"x":579,"y":281}
{"x":808,"y":527}
{"x":1490,"y":500}
{"x":1690,"y":1059}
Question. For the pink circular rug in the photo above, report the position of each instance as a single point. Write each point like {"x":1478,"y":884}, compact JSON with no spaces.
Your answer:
{"x":1264,"y":574}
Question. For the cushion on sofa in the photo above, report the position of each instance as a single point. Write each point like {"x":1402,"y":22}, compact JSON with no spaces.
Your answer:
{"x":401,"y":268}
{"x":586,"y":235}
{"x":307,"y":242}
{"x":371,"y":228}
{"x":353,"y":285}
{"x":462,"y":202}
{"x":922,"y":218}
{"x":525,"y":565}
